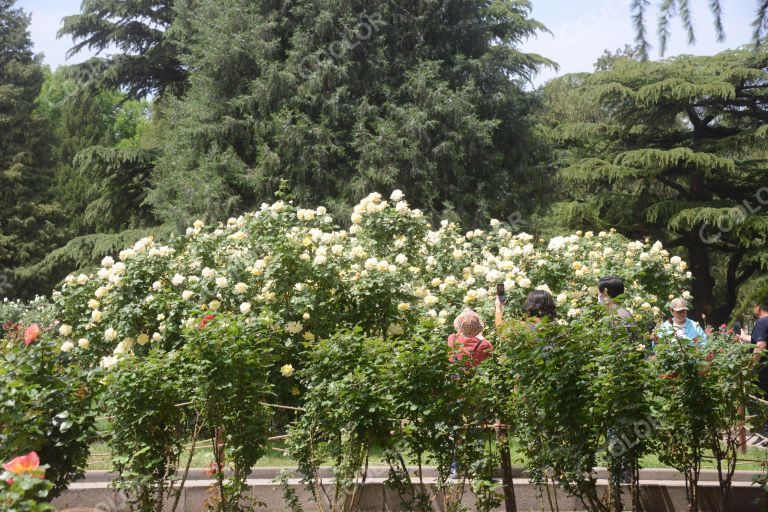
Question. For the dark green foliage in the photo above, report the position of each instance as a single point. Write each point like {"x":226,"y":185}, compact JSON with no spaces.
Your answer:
{"x":343,"y":98}
{"x":28,"y":213}
{"x":102,"y":166}
{"x":673,"y":150}
{"x":147,"y":61}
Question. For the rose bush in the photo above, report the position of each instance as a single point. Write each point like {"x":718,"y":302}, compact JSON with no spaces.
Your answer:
{"x":297,"y":272}
{"x":157,"y":324}
{"x":46,"y":403}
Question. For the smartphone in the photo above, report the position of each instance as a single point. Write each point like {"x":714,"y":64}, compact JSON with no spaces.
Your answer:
{"x":501,"y":294}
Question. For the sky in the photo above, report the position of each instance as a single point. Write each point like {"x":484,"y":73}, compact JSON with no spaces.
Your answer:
{"x":581,"y":30}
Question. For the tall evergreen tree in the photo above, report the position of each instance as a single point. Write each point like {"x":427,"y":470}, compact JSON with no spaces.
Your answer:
{"x":341,"y":98}
{"x":28,"y":215}
{"x":676,"y":150}
{"x":106,"y":127}
{"x":147,"y":62}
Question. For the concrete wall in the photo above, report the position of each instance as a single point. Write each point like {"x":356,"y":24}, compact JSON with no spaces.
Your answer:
{"x":661,"y":491}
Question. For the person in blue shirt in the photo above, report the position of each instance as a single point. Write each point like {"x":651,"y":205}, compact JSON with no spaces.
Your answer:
{"x":680,"y":326}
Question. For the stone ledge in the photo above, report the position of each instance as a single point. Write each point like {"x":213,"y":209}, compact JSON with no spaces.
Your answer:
{"x":666,"y":494}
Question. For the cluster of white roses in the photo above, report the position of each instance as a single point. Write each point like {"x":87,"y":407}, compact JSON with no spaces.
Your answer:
{"x":293,"y":270}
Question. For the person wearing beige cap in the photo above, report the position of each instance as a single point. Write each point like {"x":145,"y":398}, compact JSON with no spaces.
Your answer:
{"x":468,"y":341}
{"x":680,"y":326}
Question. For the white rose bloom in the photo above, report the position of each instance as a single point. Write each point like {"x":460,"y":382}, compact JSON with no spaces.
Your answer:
{"x":495,"y":222}
{"x":107,"y":361}
{"x":336,"y":250}
{"x":557,"y":243}
{"x":401,"y":259}
{"x":142,"y":339}
{"x":241,"y":288}
{"x":492,"y":276}
{"x":544,"y":287}
{"x":306,"y":316}
{"x":156,"y":336}
{"x":100,"y":292}
{"x":675,"y":260}
{"x":221,"y":282}
{"x":103,"y":273}
{"x":160,"y":317}
{"x":321,"y":210}
{"x":403,"y":306}
{"x":96,"y":316}
{"x":65,"y":330}
{"x":305,"y":256}
{"x":82,"y":279}
{"x":524,"y":282}
{"x":397,"y":195}
{"x":562,"y":298}
{"x":67,"y":346}
{"x":245,"y":308}
{"x":110,"y":334}
{"x":83,"y":343}
{"x":177,"y":279}
{"x":294,"y":327}
{"x":69,"y":279}
{"x":187,"y":294}
{"x":107,"y":261}
{"x":214,"y":305}
{"x":430,"y":300}
{"x":687,"y":295}
{"x":157,"y":285}
{"x":320,"y":260}
{"x":573,"y":312}
{"x":356,"y":218}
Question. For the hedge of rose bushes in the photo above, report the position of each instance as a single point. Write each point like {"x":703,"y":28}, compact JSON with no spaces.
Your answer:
{"x":149,"y":329}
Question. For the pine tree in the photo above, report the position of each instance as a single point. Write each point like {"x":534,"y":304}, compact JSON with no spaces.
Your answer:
{"x":28,"y":213}
{"x":147,"y":62}
{"x":676,"y":150}
{"x":342,"y":98}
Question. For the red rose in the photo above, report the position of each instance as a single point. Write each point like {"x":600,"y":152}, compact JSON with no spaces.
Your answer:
{"x":31,"y":333}
{"x":206,"y":319}
{"x":25,"y":464}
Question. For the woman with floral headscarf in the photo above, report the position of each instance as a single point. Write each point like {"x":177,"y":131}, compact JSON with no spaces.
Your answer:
{"x":468,"y":343}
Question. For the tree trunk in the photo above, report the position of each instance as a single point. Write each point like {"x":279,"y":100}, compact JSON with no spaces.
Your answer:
{"x":703,"y":283}
{"x":510,"y":502}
